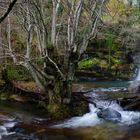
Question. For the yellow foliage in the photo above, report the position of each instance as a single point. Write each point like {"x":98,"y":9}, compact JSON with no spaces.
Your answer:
{"x":116,"y":11}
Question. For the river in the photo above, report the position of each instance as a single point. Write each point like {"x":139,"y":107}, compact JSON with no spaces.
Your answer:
{"x":25,"y":121}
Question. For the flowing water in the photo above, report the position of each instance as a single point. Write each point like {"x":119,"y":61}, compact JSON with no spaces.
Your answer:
{"x":17,"y":120}
{"x":91,"y":118}
{"x":138,"y":74}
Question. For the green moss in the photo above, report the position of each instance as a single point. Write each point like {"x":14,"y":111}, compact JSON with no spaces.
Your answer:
{"x":58,"y":111}
{"x":18,"y":73}
{"x":4,"y":96}
{"x":50,"y":45}
{"x":61,"y":111}
{"x":116,"y":61}
{"x":86,"y":64}
{"x":80,"y":108}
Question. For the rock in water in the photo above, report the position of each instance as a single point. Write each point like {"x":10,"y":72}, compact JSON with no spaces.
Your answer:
{"x":134,"y":87}
{"x":109,"y":114}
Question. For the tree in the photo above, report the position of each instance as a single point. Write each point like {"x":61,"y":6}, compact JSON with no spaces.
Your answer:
{"x":62,"y":32}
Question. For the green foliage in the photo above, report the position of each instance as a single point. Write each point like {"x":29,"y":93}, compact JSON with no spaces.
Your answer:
{"x":136,"y":14}
{"x":18,"y":73}
{"x":109,"y":41}
{"x":108,"y":54}
{"x":116,"y":61}
{"x":86,"y":64}
{"x":118,"y":11}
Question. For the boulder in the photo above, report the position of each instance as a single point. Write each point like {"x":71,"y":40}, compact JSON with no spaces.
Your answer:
{"x":134,"y":87}
{"x":109,"y":114}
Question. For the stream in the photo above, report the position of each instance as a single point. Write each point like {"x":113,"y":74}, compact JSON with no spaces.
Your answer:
{"x":26,"y":122}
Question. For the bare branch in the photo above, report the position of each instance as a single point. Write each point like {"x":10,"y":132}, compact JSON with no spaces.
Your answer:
{"x":8,"y":10}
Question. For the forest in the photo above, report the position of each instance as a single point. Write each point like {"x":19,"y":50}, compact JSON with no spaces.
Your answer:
{"x":69,"y":69}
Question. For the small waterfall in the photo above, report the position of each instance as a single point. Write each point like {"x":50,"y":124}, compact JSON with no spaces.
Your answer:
{"x":3,"y":129}
{"x":138,"y":74}
{"x":128,"y":117}
{"x":91,"y":118}
{"x":136,"y":59}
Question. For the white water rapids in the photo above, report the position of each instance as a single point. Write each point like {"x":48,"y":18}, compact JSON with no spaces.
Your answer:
{"x":91,"y":118}
{"x":4,"y":132}
{"x":138,"y":76}
{"x":7,"y":125}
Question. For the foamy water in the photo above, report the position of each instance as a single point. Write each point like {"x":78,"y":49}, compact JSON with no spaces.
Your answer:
{"x":138,"y":75}
{"x":91,"y":118}
{"x":4,"y":127}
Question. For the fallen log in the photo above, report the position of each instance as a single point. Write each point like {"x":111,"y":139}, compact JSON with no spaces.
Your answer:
{"x":130,"y":103}
{"x":84,"y":98}
{"x":35,"y":95}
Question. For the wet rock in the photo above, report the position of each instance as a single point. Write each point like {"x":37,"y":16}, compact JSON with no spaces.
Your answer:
{"x":109,"y":115}
{"x":19,"y":130}
{"x":18,"y":136}
{"x":39,"y":121}
{"x":134,"y":87}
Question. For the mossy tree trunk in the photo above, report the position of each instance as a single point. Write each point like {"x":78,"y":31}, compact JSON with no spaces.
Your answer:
{"x":51,"y":81}
{"x":61,"y":89}
{"x":62,"y":92}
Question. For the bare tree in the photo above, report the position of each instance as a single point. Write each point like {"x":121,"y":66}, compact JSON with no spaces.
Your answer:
{"x":62,"y":35}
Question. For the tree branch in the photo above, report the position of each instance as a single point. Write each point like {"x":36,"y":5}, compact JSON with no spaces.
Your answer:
{"x":11,"y":5}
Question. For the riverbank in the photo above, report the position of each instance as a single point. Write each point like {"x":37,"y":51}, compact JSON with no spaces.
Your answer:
{"x":31,"y":122}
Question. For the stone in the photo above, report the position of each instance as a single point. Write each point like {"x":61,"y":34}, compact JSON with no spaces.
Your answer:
{"x":134,"y":87}
{"x":109,"y":114}
{"x":39,"y":121}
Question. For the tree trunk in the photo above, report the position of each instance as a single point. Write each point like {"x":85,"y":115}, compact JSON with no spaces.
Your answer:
{"x":62,"y":89}
{"x":60,"y":92}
